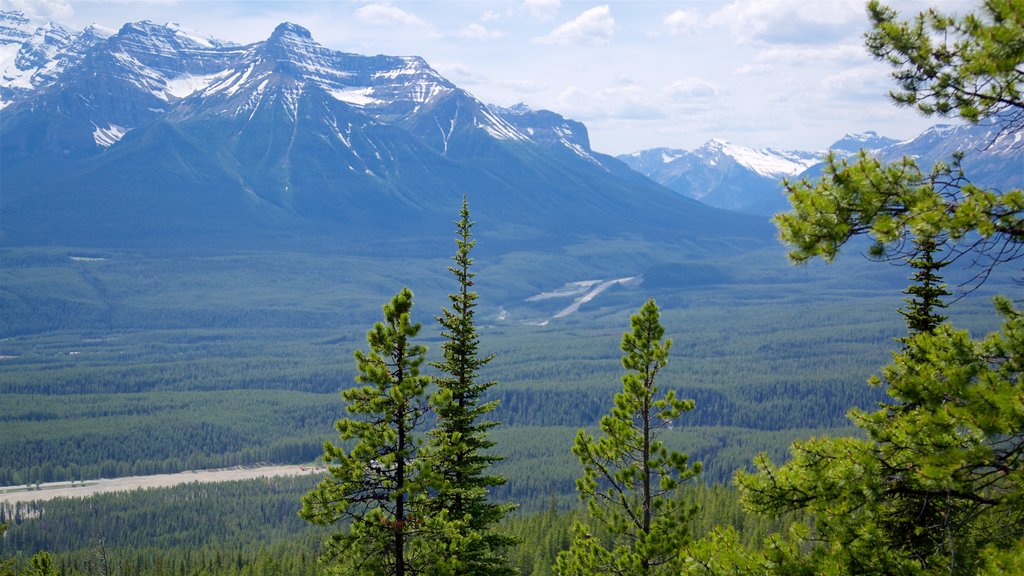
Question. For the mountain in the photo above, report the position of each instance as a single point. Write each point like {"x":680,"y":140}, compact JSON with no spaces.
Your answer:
{"x":723,"y":174}
{"x":154,"y":136}
{"x":853,"y":143}
{"x":749,"y":180}
{"x":991,"y":158}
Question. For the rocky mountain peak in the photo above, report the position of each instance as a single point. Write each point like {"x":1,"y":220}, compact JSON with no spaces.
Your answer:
{"x":287,"y":31}
{"x":869,"y":140}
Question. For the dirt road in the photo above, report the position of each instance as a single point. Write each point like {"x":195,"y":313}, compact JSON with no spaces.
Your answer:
{"x":89,"y":487}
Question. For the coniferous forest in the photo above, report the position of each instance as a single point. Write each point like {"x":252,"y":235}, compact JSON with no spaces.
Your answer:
{"x":807,"y":424}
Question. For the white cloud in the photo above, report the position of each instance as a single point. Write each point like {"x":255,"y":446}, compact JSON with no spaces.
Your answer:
{"x":458,"y":71}
{"x":618,"y":102}
{"x":479,"y":32}
{"x":594,"y":26}
{"x":682,"y":22}
{"x":788,"y":22}
{"x":381,"y":15}
{"x":40,"y":11}
{"x":749,"y":69}
{"x":490,"y":16}
{"x":861,"y":83}
{"x":846,"y":53}
{"x":543,"y":9}
{"x":692,"y":88}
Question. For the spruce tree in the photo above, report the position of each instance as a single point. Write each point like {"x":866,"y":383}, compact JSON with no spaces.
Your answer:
{"x":373,"y":479}
{"x":459,"y":448}
{"x":630,"y":479}
{"x":927,"y":290}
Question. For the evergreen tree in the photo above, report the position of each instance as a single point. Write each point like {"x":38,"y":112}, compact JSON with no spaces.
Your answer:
{"x":458,"y":446}
{"x":927,"y":290}
{"x":630,"y":479}
{"x":6,"y":564}
{"x":936,"y":484}
{"x":373,"y":481}
{"x":41,"y":565}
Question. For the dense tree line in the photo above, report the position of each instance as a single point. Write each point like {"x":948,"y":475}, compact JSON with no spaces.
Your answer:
{"x":251,"y":528}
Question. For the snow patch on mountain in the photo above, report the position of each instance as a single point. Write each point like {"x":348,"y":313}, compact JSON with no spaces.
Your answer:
{"x":107,"y":137}
{"x":188,"y":84}
{"x":355,"y":96}
{"x":666,"y":158}
{"x":498,"y":128}
{"x":767,"y":162}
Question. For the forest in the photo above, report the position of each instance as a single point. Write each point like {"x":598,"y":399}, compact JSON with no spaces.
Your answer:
{"x":468,"y":446}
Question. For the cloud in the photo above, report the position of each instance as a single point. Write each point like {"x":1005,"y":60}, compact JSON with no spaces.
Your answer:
{"x":692,"y":88}
{"x":40,"y":11}
{"x":458,"y":71}
{"x":543,"y":9}
{"x":594,"y":26}
{"x":490,"y":16}
{"x":466,"y":76}
{"x":479,"y":32}
{"x":750,"y":69}
{"x":381,"y":15}
{"x":682,"y":22}
{"x":803,"y":54}
{"x":618,"y":102}
{"x":788,"y":22}
{"x":861,"y":83}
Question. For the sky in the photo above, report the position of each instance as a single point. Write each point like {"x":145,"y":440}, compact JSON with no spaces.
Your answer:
{"x":785,"y":74}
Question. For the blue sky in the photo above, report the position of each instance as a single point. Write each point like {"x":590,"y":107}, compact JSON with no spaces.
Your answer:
{"x":762,"y":73}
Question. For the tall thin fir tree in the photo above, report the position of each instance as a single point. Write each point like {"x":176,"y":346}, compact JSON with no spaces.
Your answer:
{"x":459,"y":449}
{"x":630,"y":480}
{"x":373,"y":479}
{"x":925,"y":294}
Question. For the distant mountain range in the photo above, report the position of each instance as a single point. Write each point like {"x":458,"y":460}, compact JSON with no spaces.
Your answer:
{"x":152,"y":136}
{"x":749,"y":180}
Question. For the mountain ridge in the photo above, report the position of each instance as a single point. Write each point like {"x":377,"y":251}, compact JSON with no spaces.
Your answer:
{"x":154,"y":136}
{"x":749,"y":180}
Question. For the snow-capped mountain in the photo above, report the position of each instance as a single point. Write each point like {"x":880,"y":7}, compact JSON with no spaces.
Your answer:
{"x":156,"y":133}
{"x":853,"y":143}
{"x":749,"y":180}
{"x":723,"y":174}
{"x":34,"y":57}
{"x":991,"y":158}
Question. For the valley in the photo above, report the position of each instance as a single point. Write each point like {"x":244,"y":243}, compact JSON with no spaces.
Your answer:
{"x":199,"y":239}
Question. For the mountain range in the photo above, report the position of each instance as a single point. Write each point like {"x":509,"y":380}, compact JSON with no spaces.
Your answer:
{"x":749,"y":180}
{"x":153,"y":136}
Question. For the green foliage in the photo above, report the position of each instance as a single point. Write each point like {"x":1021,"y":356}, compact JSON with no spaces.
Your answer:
{"x":968,"y":66}
{"x":458,"y":448}
{"x":936,"y":485}
{"x":630,"y":478}
{"x":921,"y":310}
{"x":965,"y":66}
{"x":372,"y":481}
{"x":892,"y":201}
{"x":939,"y":477}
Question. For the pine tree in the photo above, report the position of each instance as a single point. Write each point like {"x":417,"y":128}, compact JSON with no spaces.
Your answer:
{"x":935,"y":485}
{"x":630,"y":479}
{"x":373,"y":477}
{"x":927,"y":290}
{"x":459,"y":447}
